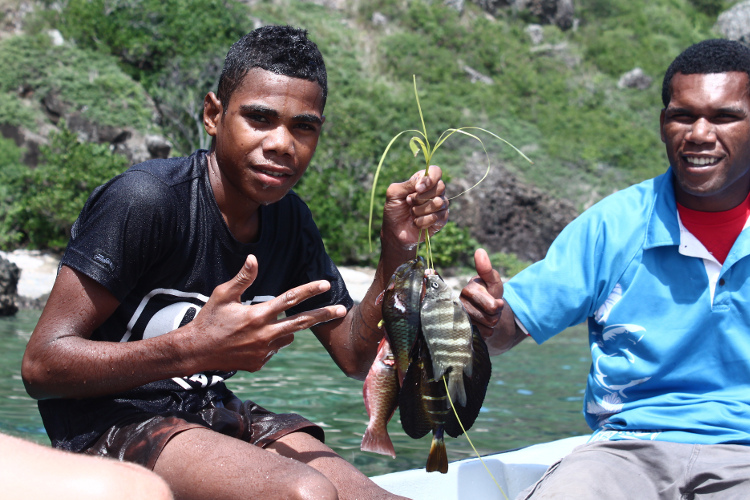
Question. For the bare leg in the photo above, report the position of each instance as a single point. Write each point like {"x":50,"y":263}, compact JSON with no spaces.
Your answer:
{"x":200,"y":463}
{"x":31,"y":470}
{"x":349,"y":481}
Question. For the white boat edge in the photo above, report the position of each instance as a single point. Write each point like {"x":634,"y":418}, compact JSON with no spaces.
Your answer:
{"x":513,"y":470}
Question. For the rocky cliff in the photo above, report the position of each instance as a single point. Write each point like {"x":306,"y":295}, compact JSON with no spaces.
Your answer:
{"x":506,"y":215}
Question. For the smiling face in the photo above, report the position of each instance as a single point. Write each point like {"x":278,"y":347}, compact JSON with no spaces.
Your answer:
{"x":263,"y":140}
{"x":706,"y":130}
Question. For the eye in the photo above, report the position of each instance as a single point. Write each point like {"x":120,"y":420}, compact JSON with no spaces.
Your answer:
{"x":306,"y":127}
{"x":434,"y":284}
{"x":256,"y":118}
{"x":727,"y":118}
{"x":681,"y":117}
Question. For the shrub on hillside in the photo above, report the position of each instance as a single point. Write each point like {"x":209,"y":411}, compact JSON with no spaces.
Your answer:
{"x":41,"y":205}
{"x":143,"y":34}
{"x":87,"y":82}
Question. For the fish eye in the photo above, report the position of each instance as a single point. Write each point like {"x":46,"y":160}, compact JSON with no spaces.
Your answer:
{"x":434,"y":284}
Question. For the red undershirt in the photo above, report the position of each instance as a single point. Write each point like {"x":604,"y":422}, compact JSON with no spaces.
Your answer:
{"x":716,"y":230}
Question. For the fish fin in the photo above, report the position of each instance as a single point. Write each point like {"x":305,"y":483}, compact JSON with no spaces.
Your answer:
{"x":437,"y":460}
{"x":377,"y":442}
{"x":475,"y":387}
{"x":469,"y":369}
{"x":456,"y":388}
{"x":379,"y":298}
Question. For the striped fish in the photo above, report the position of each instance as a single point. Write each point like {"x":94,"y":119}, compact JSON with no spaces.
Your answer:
{"x":424,"y":407}
{"x":448,"y":334}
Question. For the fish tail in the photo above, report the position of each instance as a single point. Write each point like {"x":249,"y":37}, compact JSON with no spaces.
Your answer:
{"x":437,"y":460}
{"x":377,"y":442}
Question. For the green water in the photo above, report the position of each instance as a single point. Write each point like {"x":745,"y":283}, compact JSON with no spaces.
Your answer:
{"x":535,"y":395}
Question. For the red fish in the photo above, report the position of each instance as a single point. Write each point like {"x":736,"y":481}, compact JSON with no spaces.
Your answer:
{"x":381,"y":398}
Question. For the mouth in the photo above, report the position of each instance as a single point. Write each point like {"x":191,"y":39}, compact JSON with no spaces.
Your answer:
{"x":702,"y":161}
{"x":272,"y":175}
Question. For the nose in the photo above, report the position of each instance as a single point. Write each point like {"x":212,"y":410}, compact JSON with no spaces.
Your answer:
{"x":702,"y":131}
{"x":280,"y":141}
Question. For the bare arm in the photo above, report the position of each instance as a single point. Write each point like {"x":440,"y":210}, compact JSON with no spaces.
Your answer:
{"x":482,"y":298}
{"x":61,"y":360}
{"x":411,"y":206}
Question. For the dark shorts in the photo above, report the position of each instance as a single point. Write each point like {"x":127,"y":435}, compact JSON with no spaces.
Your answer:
{"x":143,"y":440}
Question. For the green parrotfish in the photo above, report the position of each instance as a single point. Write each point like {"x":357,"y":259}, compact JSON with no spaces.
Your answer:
{"x":400,"y":307}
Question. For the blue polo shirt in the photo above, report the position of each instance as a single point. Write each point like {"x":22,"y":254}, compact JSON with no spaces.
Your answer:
{"x":669,"y":327}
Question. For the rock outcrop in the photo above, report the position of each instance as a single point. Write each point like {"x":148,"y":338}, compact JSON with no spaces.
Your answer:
{"x":9,"y":275}
{"x":734,"y":23}
{"x":558,"y":12}
{"x":506,"y":215}
{"x":635,"y":79}
{"x":136,"y":145}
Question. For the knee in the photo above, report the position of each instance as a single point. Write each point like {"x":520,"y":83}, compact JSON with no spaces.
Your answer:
{"x":313,"y":485}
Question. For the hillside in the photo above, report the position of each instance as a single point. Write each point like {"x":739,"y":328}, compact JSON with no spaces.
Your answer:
{"x":574,"y":84}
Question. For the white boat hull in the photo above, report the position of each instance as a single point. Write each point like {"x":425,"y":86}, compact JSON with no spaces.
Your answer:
{"x":468,"y":479}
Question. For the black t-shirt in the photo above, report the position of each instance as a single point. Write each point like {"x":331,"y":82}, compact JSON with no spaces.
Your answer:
{"x":155,"y":238}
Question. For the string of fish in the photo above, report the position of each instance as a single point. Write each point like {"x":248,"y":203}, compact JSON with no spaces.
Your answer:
{"x":431,"y":355}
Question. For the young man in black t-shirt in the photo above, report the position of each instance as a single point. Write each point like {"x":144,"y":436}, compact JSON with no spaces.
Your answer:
{"x":175,"y":277}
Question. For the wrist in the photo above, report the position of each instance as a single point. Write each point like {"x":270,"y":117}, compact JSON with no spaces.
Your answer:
{"x":393,"y":246}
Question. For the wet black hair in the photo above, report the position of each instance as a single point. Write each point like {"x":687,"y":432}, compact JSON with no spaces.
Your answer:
{"x":708,"y":56}
{"x":283,"y":50}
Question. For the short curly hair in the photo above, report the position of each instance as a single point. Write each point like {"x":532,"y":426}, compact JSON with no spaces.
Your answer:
{"x":709,"y":56}
{"x":283,"y":50}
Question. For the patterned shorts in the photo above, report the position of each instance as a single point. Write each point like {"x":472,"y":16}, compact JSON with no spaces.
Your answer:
{"x":143,"y":440}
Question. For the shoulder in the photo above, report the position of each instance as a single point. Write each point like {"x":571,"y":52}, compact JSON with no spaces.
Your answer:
{"x":147,"y":197}
{"x":619,"y":217}
{"x":633,"y":201}
{"x":607,"y":236}
{"x":151,"y":183}
{"x":173,"y":171}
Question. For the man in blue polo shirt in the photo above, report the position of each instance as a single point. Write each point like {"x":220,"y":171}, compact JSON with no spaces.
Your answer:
{"x":659,"y":272}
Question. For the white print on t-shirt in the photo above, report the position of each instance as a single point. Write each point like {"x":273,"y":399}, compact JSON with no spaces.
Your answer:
{"x":164,"y":310}
{"x":614,"y":342}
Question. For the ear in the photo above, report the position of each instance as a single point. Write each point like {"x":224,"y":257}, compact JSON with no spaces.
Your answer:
{"x":212,"y":111}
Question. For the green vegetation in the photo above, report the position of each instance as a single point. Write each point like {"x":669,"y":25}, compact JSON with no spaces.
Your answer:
{"x":40,"y":205}
{"x":86,"y":81}
{"x":508,"y":264}
{"x":557,"y":101}
{"x":145,"y":35}
{"x":419,"y":142}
